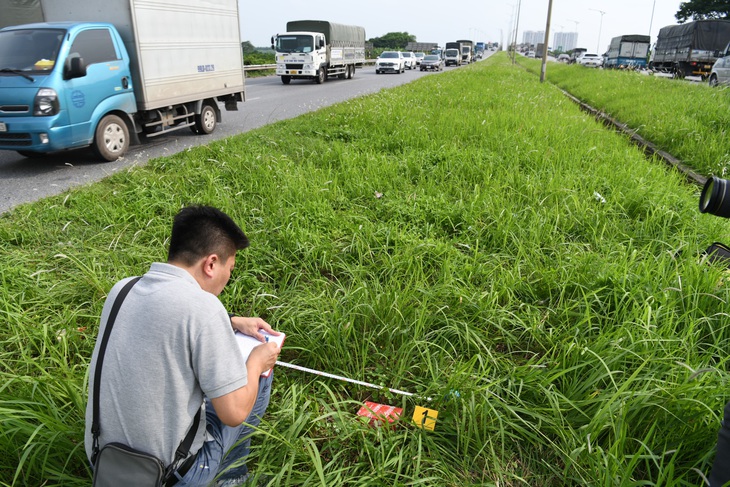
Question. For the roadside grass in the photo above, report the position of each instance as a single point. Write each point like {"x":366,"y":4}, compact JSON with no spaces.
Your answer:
{"x":689,"y":120}
{"x":471,"y":237}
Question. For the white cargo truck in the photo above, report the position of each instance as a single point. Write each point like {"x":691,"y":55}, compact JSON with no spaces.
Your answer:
{"x":317,"y":50}
{"x":102,"y":73}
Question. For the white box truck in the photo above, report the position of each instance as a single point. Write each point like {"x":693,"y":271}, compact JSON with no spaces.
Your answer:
{"x":317,"y":50}
{"x":103,"y":73}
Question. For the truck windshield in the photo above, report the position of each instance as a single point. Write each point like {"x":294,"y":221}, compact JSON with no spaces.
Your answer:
{"x":452,"y":52}
{"x":29,"y":50}
{"x":294,"y":43}
{"x":465,"y":50}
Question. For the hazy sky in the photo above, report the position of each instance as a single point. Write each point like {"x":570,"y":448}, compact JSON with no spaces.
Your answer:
{"x":486,"y":20}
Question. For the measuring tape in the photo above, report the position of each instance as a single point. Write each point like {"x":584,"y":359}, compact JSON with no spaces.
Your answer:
{"x":344,"y":379}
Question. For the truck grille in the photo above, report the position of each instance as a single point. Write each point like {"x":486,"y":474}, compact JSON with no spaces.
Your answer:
{"x":294,"y":66}
{"x":15,"y":140}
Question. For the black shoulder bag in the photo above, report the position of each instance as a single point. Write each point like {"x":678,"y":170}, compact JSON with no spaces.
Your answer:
{"x":118,"y":464}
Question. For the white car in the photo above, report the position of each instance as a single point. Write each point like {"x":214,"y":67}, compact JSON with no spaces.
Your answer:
{"x":720,"y":73}
{"x":590,"y":60}
{"x":390,"y":61}
{"x":410,"y":60}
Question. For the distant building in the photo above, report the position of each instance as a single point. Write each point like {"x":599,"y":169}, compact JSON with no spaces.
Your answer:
{"x":533,"y":37}
{"x":565,"y":41}
{"x":421,"y":46}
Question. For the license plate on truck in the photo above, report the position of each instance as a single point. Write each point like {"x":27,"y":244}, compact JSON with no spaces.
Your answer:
{"x":3,"y":127}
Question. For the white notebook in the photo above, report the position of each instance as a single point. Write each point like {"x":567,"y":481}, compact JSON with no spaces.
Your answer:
{"x":247,"y":343}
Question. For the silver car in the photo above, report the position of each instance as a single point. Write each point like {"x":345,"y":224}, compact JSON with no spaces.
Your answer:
{"x":720,"y":73}
{"x":432,"y":62}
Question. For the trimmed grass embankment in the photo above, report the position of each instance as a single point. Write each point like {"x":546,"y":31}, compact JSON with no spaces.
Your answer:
{"x":691,"y":121}
{"x":472,"y":237}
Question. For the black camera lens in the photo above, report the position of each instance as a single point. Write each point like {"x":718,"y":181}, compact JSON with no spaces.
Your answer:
{"x":715,"y":197}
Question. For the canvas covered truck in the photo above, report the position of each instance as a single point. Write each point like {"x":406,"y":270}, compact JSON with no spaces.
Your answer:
{"x":16,"y":12}
{"x":690,"y":49}
{"x":452,"y":53}
{"x":106,"y":73}
{"x":576,"y":53}
{"x":467,"y":51}
{"x":479,"y":49}
{"x":317,"y":50}
{"x":628,"y":52}
{"x":539,"y":50}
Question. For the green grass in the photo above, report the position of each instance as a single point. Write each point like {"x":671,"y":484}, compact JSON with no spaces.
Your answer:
{"x":687,"y":119}
{"x":471,"y":237}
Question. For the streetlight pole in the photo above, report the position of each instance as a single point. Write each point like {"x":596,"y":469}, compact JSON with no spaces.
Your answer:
{"x":600,"y":26}
{"x":651,"y":22}
{"x":517,"y":26}
{"x":510,"y":34}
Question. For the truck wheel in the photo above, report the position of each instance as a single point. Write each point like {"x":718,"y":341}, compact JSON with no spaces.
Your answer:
{"x":350,"y":71}
{"x":713,"y":80}
{"x":205,"y":123}
{"x":320,"y":76}
{"x":286,"y":79}
{"x":111,"y":138}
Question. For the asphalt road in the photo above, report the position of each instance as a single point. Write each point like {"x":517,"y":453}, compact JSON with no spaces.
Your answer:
{"x":25,"y":180}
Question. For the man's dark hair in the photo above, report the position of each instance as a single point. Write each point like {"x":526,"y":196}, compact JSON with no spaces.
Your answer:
{"x":198,"y":231}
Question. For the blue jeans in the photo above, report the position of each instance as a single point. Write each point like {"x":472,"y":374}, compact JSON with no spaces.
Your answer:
{"x":720,"y":473}
{"x":227,"y":444}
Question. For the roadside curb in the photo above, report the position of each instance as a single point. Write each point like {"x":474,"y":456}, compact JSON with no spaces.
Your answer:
{"x":648,"y":147}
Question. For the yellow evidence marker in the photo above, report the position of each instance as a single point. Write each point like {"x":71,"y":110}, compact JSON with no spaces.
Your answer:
{"x":425,"y":418}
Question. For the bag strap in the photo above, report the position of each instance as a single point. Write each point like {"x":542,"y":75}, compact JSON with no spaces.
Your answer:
{"x":95,"y":427}
{"x":185,"y":444}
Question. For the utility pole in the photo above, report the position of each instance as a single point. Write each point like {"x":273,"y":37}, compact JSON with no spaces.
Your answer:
{"x":600,"y":26}
{"x":545,"y":43}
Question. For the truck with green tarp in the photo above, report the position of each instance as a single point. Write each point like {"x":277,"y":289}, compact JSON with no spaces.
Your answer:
{"x":690,"y":49}
{"x":318,"y":50}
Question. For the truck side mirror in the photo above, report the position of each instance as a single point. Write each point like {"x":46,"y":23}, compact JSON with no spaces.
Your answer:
{"x":75,"y":68}
{"x":272,"y":42}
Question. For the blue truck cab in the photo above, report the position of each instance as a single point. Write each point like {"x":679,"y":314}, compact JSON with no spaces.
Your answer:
{"x":65,"y":85}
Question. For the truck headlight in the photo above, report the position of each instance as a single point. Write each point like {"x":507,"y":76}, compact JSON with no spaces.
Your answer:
{"x":307,"y":66}
{"x":46,"y":103}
